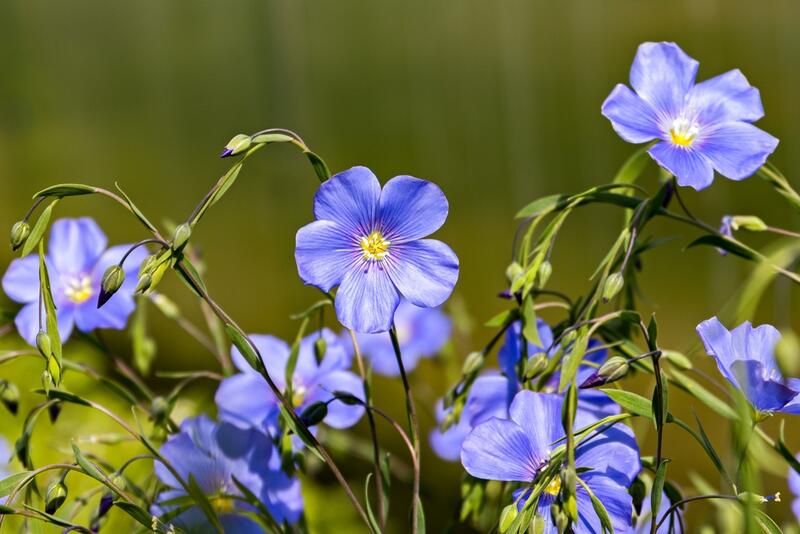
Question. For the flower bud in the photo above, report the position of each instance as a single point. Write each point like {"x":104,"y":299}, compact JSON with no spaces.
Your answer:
{"x":148,"y":264}
{"x":320,"y":346}
{"x":19,"y":233}
{"x":47,"y":381}
{"x":535,"y":366}
{"x":513,"y":272}
{"x":181,"y":237}
{"x":56,"y":495}
{"x":145,"y":281}
{"x":166,"y":306}
{"x":53,"y":411}
{"x":347,"y":398}
{"x":238,"y":144}
{"x":612,"y":286}
{"x":314,"y":413}
{"x":612,"y":370}
{"x":748,"y":222}
{"x":159,"y":409}
{"x":545,"y":270}
{"x":473,"y":363}
{"x":507,"y":517}
{"x":43,"y":344}
{"x":54,"y":369}
{"x":113,"y":279}
{"x":9,"y":396}
{"x":105,"y":504}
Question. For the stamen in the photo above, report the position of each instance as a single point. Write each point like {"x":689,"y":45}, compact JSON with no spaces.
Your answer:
{"x":79,"y":289}
{"x":554,"y":487}
{"x":374,"y":246}
{"x":683,"y":132}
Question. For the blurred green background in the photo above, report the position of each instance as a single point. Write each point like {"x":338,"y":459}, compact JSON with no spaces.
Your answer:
{"x":498,"y":102}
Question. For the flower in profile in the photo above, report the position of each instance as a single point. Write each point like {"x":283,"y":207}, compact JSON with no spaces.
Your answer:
{"x":422,"y":332}
{"x":519,"y":449}
{"x":76,"y":259}
{"x":699,"y":127}
{"x":244,"y":398}
{"x":794,"y":487}
{"x":746,"y":358}
{"x":214,"y":454}
{"x":369,"y":242}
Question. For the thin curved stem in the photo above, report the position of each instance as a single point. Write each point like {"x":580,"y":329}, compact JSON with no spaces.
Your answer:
{"x":687,"y":500}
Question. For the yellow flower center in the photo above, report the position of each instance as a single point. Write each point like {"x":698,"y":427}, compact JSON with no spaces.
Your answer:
{"x":298,"y":395}
{"x":223,"y":504}
{"x":683,"y":132}
{"x":374,"y":246}
{"x":554,"y":486}
{"x":79,"y":289}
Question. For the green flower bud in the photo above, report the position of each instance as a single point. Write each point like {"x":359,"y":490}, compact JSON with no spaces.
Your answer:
{"x":613,"y":286}
{"x":320,"y":346}
{"x":159,"y":409}
{"x":347,"y":398}
{"x":507,"y":517}
{"x":148,"y":264}
{"x":513,"y":272}
{"x":545,"y":270}
{"x":54,"y":369}
{"x":535,"y":366}
{"x":113,"y":279}
{"x":612,"y":370}
{"x":315,"y":413}
{"x":181,"y":237}
{"x":9,"y":396}
{"x":145,"y":281}
{"x":56,"y":495}
{"x":43,"y":344}
{"x":19,"y":233}
{"x":47,"y":381}
{"x":238,"y":144}
{"x":473,"y":363}
{"x":748,"y":222}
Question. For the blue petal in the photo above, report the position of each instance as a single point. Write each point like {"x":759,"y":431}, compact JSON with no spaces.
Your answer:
{"x":757,"y":343}
{"x":75,"y":245}
{"x":612,"y":453}
{"x":245,"y":400}
{"x":282,"y":495}
{"x":631,"y":117}
{"x":273,"y":350}
{"x":424,"y":271}
{"x":323,"y":253}
{"x":349,"y":198}
{"x":736,"y":149}
{"x":615,"y":498}
{"x":717,"y":341}
{"x":114,"y":314}
{"x":724,"y":98}
{"x":539,"y":415}
{"x":642,"y":524}
{"x":499,"y":449}
{"x":690,"y":167}
{"x":509,"y":354}
{"x":763,"y":392}
{"x":340,"y":415}
{"x":366,"y":300}
{"x":447,"y":444}
{"x":489,"y":397}
{"x":21,"y":281}
{"x":27,"y":322}
{"x":182,"y":452}
{"x":662,"y":74}
{"x":239,"y":524}
{"x":411,"y":209}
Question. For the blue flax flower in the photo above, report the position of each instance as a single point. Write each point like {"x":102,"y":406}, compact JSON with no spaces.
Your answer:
{"x":76,"y":259}
{"x":794,"y":486}
{"x":422,"y":332}
{"x":369,"y":242}
{"x":244,"y":398}
{"x":699,"y":127}
{"x":519,"y":448}
{"x":746,"y":358}
{"x":214,"y":454}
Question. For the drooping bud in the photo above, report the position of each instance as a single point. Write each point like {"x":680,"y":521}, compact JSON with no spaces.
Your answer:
{"x":315,"y":413}
{"x":238,"y":144}
{"x":9,"y":396}
{"x":182,"y":234}
{"x":347,"y":398}
{"x":612,"y":370}
{"x":473,"y":363}
{"x":750,"y":223}
{"x":113,"y":279}
{"x":56,"y":495}
{"x":44,"y":345}
{"x":53,"y":411}
{"x":19,"y":234}
{"x":159,"y":409}
{"x":320,"y":347}
{"x":513,"y":272}
{"x":612,"y":286}
{"x":535,"y":366}
{"x":545,"y":270}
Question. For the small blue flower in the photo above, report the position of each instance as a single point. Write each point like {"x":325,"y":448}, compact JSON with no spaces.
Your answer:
{"x":76,"y":260}
{"x":517,"y":449}
{"x":699,"y":127}
{"x":244,"y":398}
{"x":369,"y":242}
{"x":422,"y":332}
{"x":214,"y":454}
{"x":794,"y":486}
{"x":746,"y":358}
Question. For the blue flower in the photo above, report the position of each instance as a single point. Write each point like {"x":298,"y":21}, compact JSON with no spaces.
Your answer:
{"x":214,"y":454}
{"x":746,"y":358}
{"x":422,"y":332}
{"x":368,"y":242}
{"x":244,"y":399}
{"x":794,"y":486}
{"x":517,"y":449}
{"x":700,"y":127}
{"x":76,"y":260}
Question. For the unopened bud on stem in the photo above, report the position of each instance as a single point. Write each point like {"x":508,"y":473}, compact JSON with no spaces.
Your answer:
{"x":113,"y":279}
{"x":19,"y":234}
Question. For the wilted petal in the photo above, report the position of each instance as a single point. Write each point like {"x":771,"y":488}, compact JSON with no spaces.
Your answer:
{"x":424,"y":271}
{"x":324,"y":253}
{"x":498,"y":449}
{"x":631,"y":117}
{"x":367,"y":299}
{"x":75,"y":245}
{"x":736,"y":149}
{"x":691,"y":168}
{"x":662,"y":74}
{"x":411,"y":209}
{"x":349,"y":198}
{"x":21,"y":281}
{"x":727,"y":97}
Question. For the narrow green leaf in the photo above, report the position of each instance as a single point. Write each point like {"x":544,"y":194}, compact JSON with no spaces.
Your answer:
{"x":420,"y":519}
{"x":245,"y":348}
{"x":141,"y":515}
{"x":632,"y":168}
{"x":726,"y":244}
{"x":199,"y":496}
{"x":135,"y":210}
{"x":766,"y":523}
{"x":542,"y":206}
{"x":37,"y":232}
{"x":8,"y":484}
{"x":630,"y":402}
{"x":88,"y":467}
{"x":599,"y":508}
{"x":656,"y":492}
{"x":702,"y":394}
{"x":502,"y":319}
{"x":572,"y":360}
{"x":66,"y":190}
{"x":530,"y":326}
{"x":374,"y":526}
